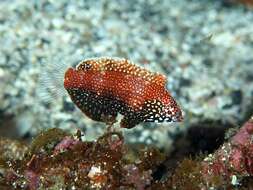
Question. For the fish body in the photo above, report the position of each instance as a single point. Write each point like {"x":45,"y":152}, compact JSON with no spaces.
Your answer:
{"x":103,"y":87}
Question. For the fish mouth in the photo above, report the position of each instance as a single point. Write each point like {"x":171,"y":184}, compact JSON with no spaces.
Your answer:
{"x":173,"y":114}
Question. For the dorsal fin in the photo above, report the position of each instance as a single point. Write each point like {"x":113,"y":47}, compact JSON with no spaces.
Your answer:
{"x":160,"y":80}
{"x":120,"y":65}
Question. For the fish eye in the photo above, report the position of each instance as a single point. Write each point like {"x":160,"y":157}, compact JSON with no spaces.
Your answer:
{"x":83,"y":66}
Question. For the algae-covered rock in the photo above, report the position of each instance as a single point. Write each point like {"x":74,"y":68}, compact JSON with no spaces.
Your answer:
{"x":56,"y":159}
{"x":206,"y":58}
{"x":12,"y":149}
{"x":59,"y":160}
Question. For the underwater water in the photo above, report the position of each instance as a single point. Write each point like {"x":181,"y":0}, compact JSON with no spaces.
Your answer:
{"x":204,"y":49}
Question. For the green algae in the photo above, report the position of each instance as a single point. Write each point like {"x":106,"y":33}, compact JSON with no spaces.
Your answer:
{"x":46,"y":140}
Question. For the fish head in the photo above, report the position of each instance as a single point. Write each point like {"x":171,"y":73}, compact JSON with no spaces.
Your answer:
{"x":171,"y":110}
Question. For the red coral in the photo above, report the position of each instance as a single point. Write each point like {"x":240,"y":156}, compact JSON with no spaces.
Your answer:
{"x":104,"y":87}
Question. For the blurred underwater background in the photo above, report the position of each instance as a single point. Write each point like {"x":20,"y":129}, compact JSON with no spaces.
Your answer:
{"x":205,"y":49}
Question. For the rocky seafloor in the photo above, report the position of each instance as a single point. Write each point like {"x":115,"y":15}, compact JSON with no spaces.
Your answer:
{"x":58,"y":160}
{"x":203,"y":47}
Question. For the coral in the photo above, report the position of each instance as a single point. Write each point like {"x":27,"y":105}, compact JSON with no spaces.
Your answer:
{"x":104,"y":87}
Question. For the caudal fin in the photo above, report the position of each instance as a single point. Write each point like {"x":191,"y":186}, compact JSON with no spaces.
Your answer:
{"x":50,"y":84}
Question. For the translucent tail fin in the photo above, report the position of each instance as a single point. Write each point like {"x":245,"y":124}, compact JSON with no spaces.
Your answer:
{"x":50,"y":84}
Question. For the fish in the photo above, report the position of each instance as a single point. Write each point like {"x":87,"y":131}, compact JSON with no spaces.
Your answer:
{"x":104,"y":87}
